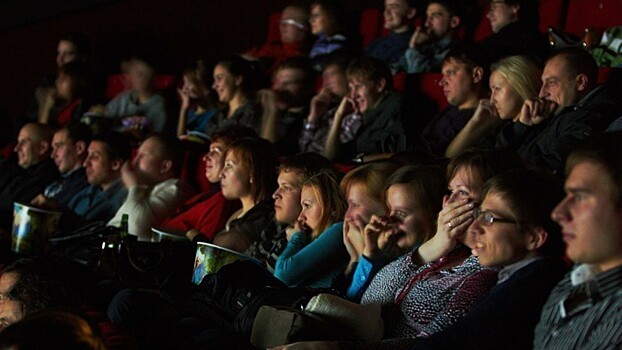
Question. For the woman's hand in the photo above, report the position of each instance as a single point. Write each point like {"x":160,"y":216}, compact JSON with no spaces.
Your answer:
{"x":184,"y":97}
{"x":379,"y":234}
{"x":451,"y":225}
{"x":486,"y":113}
{"x":353,"y":239}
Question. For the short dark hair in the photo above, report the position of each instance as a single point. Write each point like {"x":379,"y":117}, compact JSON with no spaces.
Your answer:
{"x":372,"y":69}
{"x":307,"y":164}
{"x":453,"y":7}
{"x":532,"y":195}
{"x":80,"y":41}
{"x":469,"y":54}
{"x":117,"y":145}
{"x":171,"y":149}
{"x":303,"y":64}
{"x":229,"y":134}
{"x":604,"y":149}
{"x":340,"y":58}
{"x":36,"y":287}
{"x":241,"y":67}
{"x":578,"y":61}
{"x":79,"y":132}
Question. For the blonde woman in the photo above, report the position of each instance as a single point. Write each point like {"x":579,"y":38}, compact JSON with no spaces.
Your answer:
{"x":513,"y":80}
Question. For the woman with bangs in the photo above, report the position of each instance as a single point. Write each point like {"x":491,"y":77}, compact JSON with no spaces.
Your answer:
{"x":248,"y":175}
{"x":315,"y":255}
{"x":412,"y":197}
{"x":513,"y":80}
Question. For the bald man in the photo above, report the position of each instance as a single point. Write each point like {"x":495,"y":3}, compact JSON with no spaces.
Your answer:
{"x":35,"y":170}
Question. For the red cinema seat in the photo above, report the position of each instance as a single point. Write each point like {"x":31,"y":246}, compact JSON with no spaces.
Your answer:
{"x":596,"y":14}
{"x":274,"y":33}
{"x":371,"y":25}
{"x":429,"y":83}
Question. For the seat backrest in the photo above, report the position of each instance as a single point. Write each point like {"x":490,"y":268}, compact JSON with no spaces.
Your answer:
{"x":429,"y":83}
{"x":274,"y":33}
{"x":596,"y":14}
{"x":370,"y":26}
{"x":550,"y":12}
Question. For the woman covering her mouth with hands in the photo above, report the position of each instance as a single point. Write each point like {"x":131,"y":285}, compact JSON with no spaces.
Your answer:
{"x":315,"y":254}
{"x":412,"y":198}
{"x":428,"y":289}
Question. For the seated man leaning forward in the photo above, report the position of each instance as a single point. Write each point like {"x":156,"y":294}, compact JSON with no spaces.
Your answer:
{"x":154,"y":189}
{"x":101,"y":200}
{"x":583,"y":311}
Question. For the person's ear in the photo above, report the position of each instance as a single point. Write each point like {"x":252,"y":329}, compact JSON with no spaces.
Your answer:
{"x":410,"y":14}
{"x":80,"y":148}
{"x":582,"y":82}
{"x":536,"y":238}
{"x":116,"y":164}
{"x":515,"y":9}
{"x":44,"y":147}
{"x":454,"y":22}
{"x":381,"y":85}
{"x":166,"y":166}
{"x":238,"y":80}
{"x":477,"y":75}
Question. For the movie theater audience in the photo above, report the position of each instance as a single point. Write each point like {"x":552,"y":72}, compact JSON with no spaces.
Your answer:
{"x":480,"y":268}
{"x":513,"y":80}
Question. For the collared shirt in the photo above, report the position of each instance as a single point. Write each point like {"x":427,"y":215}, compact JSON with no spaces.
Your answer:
{"x":509,"y":270}
{"x":583,"y":316}
{"x":67,"y":187}
{"x":94,"y":204}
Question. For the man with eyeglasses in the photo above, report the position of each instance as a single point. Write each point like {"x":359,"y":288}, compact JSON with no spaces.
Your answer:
{"x":584,"y":311}
{"x":294,"y":35}
{"x":571,"y":106}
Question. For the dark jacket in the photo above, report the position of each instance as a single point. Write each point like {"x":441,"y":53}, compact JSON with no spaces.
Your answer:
{"x":381,"y":130}
{"x":23,"y":186}
{"x":548,"y":144}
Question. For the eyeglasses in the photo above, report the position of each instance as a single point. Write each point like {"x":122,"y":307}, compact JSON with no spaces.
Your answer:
{"x":294,"y":23}
{"x":489,"y":219}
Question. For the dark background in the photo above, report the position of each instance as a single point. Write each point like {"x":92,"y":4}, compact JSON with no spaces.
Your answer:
{"x":176,"y":33}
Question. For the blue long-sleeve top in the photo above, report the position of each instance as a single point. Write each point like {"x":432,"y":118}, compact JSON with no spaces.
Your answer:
{"x":364,"y":272}
{"x":315,"y":263}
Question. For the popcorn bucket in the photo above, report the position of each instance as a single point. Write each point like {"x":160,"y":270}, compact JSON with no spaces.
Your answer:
{"x":210,"y":258}
{"x":32,"y":228}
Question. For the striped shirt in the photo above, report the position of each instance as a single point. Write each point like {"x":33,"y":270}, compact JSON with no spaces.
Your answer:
{"x":587,"y":315}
